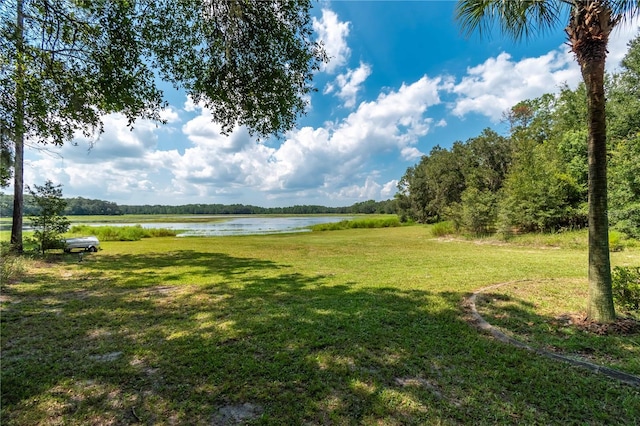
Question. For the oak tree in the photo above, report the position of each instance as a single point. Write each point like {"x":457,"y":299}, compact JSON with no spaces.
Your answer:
{"x":66,"y":63}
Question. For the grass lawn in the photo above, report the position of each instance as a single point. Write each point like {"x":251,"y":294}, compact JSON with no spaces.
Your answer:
{"x":359,"y":326}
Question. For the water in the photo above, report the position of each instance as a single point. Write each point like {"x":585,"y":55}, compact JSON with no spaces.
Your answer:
{"x":239,"y":225}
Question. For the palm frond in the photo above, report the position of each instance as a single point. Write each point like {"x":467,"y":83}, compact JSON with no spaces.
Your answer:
{"x":623,"y":10}
{"x":517,"y":19}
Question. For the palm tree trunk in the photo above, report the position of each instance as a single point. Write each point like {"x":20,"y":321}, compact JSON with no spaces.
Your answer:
{"x":18,"y":122}
{"x":600,"y":305}
{"x":588,"y":30}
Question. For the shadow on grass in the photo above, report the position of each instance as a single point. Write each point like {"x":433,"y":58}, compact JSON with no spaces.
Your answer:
{"x":124,"y":340}
{"x":565,"y":333}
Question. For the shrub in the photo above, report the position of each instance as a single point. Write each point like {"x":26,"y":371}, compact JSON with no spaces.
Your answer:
{"x":161,"y":232}
{"x":48,"y":223}
{"x":441,"y":229}
{"x":615,"y":241}
{"x":626,"y":287}
{"x":479,"y":211}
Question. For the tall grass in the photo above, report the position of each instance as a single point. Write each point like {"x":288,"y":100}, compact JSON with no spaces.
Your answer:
{"x":121,"y":233}
{"x":379,"y":222}
{"x":442,"y":229}
{"x":11,"y":266}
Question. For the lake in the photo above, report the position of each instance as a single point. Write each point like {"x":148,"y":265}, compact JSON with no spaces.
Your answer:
{"x":238,"y":225}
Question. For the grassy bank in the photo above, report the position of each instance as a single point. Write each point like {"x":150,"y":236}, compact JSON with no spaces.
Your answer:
{"x":120,"y":233}
{"x":387,"y":221}
{"x":361,"y":326}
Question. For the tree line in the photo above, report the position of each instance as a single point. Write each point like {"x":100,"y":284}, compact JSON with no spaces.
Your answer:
{"x":79,"y":206}
{"x":535,"y":178}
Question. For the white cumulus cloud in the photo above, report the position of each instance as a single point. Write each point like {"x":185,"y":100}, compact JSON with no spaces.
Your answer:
{"x":347,"y":85}
{"x":500,"y":82}
{"x":328,"y":159}
{"x":332,"y":33}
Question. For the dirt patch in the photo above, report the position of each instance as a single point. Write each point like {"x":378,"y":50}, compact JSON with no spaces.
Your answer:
{"x":7,"y":299}
{"x":163,"y":290}
{"x":112,"y":356}
{"x":237,"y":414}
{"x":620,"y":327}
{"x":419,"y":382}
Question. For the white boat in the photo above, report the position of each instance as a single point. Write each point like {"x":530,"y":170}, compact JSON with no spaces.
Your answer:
{"x":86,"y":243}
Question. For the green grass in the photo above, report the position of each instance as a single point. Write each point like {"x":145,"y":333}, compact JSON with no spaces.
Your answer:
{"x":374,"y":222}
{"x":540,"y":312}
{"x":361,"y":326}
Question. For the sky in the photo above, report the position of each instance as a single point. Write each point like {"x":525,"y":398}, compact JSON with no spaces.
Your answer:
{"x":401,"y":79}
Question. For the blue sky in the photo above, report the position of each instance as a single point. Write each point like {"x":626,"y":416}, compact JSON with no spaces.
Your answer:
{"x":400,"y":80}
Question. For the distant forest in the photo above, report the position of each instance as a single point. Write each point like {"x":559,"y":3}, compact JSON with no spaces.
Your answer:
{"x":82,"y":206}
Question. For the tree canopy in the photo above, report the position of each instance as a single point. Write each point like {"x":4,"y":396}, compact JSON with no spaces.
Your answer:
{"x":66,"y":63}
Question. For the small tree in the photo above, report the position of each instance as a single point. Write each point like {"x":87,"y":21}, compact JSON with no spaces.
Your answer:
{"x":48,"y":224}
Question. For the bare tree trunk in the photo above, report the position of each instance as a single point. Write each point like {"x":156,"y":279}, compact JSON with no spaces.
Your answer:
{"x":18,"y":195}
{"x":600,"y":305}
{"x":18,"y":122}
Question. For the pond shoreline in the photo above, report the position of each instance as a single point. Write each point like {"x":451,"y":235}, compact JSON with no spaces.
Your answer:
{"x":235,"y":225}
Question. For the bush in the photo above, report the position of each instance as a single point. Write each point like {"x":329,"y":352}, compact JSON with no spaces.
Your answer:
{"x":626,"y":219}
{"x":615,"y":241}
{"x":441,"y":229}
{"x":626,"y":287}
{"x":479,"y":211}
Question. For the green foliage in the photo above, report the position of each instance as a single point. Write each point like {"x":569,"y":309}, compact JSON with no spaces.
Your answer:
{"x":48,"y":223}
{"x":383,"y":222}
{"x":616,"y":240}
{"x":516,"y":20}
{"x":538,"y":196}
{"x":623,"y":107}
{"x":6,"y":159}
{"x":544,"y":190}
{"x":538,"y":176}
{"x":624,"y":186}
{"x":476,"y":213}
{"x":626,"y":287}
{"x":89,"y":63}
{"x":249,"y":62}
{"x":588,"y":28}
{"x":429,"y":189}
{"x":442,"y":229}
{"x":83,"y":206}
{"x":486,"y":161}
{"x":11,"y":266}
{"x":572,"y":147}
{"x":121,"y":233}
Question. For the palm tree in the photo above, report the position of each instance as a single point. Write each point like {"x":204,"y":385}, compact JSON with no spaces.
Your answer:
{"x":590,"y":24}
